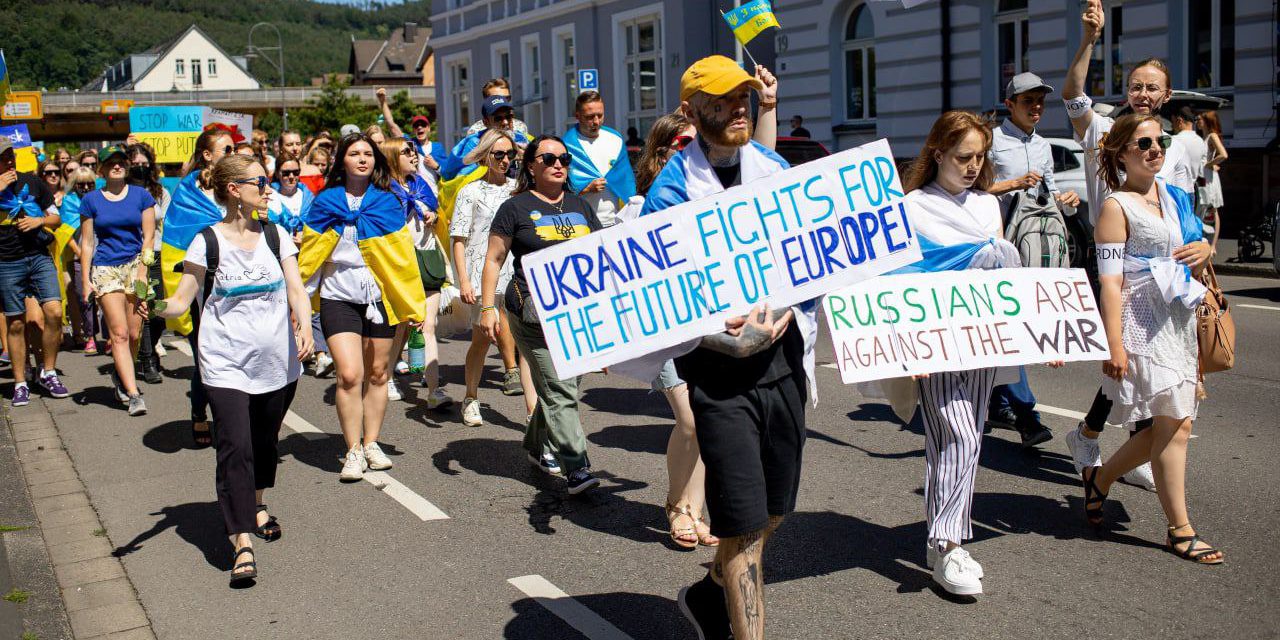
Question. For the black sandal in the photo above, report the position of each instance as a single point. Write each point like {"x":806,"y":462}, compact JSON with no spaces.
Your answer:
{"x":1092,"y":494}
{"x":1191,"y":552}
{"x":238,"y":579}
{"x":271,"y":530}
{"x":202,"y":437}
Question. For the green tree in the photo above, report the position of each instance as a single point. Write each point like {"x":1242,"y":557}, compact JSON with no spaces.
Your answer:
{"x":333,"y":108}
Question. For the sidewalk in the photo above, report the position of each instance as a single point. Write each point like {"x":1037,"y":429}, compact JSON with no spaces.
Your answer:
{"x":1227,"y":261}
{"x":60,"y":553}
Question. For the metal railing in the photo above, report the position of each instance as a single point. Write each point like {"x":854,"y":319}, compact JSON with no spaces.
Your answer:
{"x":82,"y":101}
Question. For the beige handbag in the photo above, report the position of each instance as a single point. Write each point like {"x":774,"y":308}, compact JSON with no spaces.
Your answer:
{"x":1215,"y":329}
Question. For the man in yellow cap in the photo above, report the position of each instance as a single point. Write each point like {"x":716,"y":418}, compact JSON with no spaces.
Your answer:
{"x":747,"y":386}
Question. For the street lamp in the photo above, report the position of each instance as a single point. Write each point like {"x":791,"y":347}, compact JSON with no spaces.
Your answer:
{"x":252,"y":51}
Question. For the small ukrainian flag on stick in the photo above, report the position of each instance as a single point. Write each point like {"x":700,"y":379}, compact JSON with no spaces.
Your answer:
{"x":4,"y":80}
{"x":750,"y":20}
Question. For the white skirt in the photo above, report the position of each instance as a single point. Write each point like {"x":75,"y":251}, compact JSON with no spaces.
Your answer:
{"x":1149,"y":390}
{"x":1211,"y":192}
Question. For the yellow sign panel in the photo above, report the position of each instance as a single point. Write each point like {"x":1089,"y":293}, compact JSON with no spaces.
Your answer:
{"x":27,"y":159}
{"x":116,"y":106}
{"x":170,"y":146}
{"x":23,"y":105}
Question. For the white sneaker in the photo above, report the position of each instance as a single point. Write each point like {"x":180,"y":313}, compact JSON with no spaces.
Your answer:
{"x":931,"y":559}
{"x":324,"y":365}
{"x":471,"y":412}
{"x":438,"y":398}
{"x":393,"y":391}
{"x":375,"y":458}
{"x":402,"y":367}
{"x":1085,"y":452}
{"x":160,"y":350}
{"x":1142,"y":477}
{"x":955,"y":575}
{"x":354,"y":465}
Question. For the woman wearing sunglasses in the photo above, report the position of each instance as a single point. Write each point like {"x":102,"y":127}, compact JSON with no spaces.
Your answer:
{"x":473,"y":213}
{"x":1154,"y":365}
{"x":84,"y":313}
{"x":540,"y":214}
{"x":51,"y":176}
{"x":290,"y":201}
{"x":252,"y":340}
{"x":144,"y":174}
{"x":420,"y":206}
{"x":117,"y":228}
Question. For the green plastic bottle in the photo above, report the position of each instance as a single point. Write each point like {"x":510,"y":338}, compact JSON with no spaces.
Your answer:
{"x":417,"y":351}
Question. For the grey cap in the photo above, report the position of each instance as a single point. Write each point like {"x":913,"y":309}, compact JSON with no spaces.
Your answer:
{"x":1024,"y":82}
{"x":5,"y":144}
{"x":348,"y":129}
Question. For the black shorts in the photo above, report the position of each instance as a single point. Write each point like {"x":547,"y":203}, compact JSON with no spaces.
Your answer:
{"x":337,"y":317}
{"x":751,"y":444}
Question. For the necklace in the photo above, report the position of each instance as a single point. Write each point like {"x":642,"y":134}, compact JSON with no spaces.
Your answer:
{"x":558,"y":204}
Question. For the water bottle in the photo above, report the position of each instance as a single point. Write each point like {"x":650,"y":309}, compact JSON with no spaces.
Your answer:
{"x":417,"y":351}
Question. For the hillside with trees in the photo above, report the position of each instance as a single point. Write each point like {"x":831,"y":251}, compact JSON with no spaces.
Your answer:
{"x":66,"y":43}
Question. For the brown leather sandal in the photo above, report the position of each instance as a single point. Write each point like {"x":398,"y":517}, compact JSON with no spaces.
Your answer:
{"x":683,"y":537}
{"x":704,"y":533}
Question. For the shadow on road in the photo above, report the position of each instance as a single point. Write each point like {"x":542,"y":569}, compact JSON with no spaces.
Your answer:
{"x":635,"y":438}
{"x":198,"y":523}
{"x":639,"y":615}
{"x":170,"y":437}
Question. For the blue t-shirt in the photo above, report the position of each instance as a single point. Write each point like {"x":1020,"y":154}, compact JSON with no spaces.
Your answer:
{"x":116,"y":225}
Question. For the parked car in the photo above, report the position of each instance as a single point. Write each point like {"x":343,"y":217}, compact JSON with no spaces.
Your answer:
{"x":797,"y":151}
{"x":1068,"y":174}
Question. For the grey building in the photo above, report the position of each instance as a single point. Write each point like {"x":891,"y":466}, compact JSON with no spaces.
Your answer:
{"x":639,"y":47}
{"x":859,"y":71}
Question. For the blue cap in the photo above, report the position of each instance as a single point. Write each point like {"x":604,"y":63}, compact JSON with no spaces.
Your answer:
{"x":493,"y":104}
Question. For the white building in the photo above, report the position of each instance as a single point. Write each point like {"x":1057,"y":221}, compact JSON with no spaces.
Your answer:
{"x":190,"y":61}
{"x":858,"y":70}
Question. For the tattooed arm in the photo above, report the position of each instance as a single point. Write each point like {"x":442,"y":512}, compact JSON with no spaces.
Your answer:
{"x":751,"y":334}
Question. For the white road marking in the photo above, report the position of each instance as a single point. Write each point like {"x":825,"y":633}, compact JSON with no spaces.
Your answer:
{"x":571,"y":611}
{"x":831,"y":365}
{"x":1258,"y":306}
{"x":1058,"y":411}
{"x":182,"y":346}
{"x":416,"y":504}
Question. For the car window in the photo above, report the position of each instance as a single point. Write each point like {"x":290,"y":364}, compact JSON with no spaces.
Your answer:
{"x":1064,"y":159}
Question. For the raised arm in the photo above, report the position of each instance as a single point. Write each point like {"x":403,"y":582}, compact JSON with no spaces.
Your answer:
{"x":1092,"y":21}
{"x":767,"y":118}
{"x":392,"y":128}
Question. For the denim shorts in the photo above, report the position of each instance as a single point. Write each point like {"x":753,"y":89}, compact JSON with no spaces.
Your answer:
{"x":29,"y":277}
{"x":667,"y":378}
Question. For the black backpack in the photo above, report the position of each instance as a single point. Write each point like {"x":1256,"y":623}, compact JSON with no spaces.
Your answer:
{"x":211,"y":253}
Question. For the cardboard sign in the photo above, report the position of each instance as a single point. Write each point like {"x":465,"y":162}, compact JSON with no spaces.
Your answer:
{"x":171,"y":131}
{"x":677,"y":275}
{"x":239,"y":125}
{"x":900,"y":325}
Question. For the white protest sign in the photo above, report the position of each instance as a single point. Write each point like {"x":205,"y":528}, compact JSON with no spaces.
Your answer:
{"x":239,"y":124}
{"x":677,"y":275}
{"x":900,"y":325}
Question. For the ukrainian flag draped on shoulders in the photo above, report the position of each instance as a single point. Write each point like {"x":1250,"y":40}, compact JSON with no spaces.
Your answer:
{"x":69,"y":212}
{"x":620,"y":178}
{"x":454,"y":175}
{"x":384,"y":243}
{"x":190,"y":211}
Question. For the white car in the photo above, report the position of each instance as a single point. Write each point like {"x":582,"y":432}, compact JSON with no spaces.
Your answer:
{"x":1068,"y":174}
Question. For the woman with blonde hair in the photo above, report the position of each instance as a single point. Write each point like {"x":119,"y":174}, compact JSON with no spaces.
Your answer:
{"x":476,"y":206}
{"x":253,"y":338}
{"x":420,"y":207}
{"x":1153,"y":371}
{"x":80,"y":182}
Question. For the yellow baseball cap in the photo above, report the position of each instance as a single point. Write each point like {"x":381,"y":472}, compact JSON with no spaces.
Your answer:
{"x":716,"y":76}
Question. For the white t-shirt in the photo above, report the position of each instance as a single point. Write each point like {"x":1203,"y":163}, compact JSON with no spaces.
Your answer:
{"x":246,"y":337}
{"x":1189,"y":161}
{"x":291,"y":203}
{"x":1094,"y":186}
{"x":345,"y":277}
{"x":603,"y":151}
{"x":162,"y":206}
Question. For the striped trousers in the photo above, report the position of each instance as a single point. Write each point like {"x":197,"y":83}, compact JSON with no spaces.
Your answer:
{"x":954,"y":407}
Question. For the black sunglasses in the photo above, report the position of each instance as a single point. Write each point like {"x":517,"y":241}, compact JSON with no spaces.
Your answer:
{"x":1144,"y":144}
{"x":52,"y":172}
{"x":89,"y":164}
{"x":227,"y":150}
{"x":550,"y":159}
{"x":290,"y":173}
{"x":261,"y":181}
{"x":510,"y":154}
{"x":85,"y":186}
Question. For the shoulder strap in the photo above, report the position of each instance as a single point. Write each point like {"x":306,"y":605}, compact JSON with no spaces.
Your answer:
{"x":273,"y":239}
{"x":211,"y":251}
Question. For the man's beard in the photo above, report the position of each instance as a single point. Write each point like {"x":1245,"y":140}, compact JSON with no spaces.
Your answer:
{"x":716,"y":131}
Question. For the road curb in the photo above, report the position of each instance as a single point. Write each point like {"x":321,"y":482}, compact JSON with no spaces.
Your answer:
{"x":97,"y":598}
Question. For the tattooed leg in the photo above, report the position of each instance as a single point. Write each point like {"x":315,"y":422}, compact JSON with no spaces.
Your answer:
{"x":740,"y":560}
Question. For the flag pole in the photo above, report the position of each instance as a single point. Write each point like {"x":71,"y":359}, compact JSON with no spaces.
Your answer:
{"x":745,"y":50}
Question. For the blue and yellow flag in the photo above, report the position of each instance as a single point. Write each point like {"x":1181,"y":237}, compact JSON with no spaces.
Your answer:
{"x":750,"y":19}
{"x":69,"y":212}
{"x":384,"y":242}
{"x":190,"y":211}
{"x":4,"y":79}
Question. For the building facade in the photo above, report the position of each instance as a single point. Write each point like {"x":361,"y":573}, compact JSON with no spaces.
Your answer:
{"x":640,"y":48}
{"x":191,"y":61}
{"x":858,"y":71}
{"x":404,"y":58}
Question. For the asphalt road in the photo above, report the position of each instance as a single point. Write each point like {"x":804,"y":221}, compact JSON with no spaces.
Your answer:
{"x":357,"y":562}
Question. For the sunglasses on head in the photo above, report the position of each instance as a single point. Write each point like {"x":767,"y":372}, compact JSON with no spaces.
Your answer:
{"x":260,"y":181}
{"x":550,"y":159}
{"x":1144,"y":143}
{"x":509,"y":154}
{"x":680,"y":142}
{"x":290,"y":173}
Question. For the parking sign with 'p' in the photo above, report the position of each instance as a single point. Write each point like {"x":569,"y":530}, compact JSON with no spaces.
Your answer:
{"x":588,"y":80}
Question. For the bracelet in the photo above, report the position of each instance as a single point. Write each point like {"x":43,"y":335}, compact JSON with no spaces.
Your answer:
{"x":769,"y":105}
{"x":490,"y":308}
